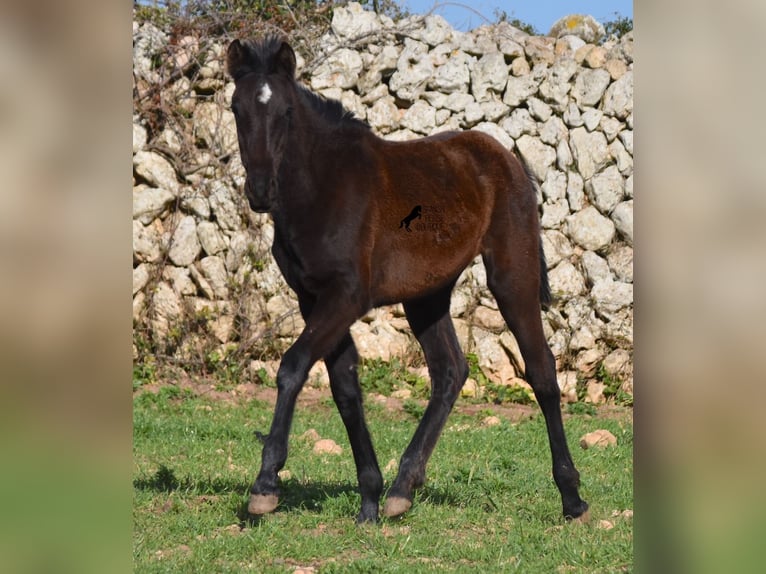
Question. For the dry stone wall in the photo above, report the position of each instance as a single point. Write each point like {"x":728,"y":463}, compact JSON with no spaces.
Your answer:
{"x":201,"y":258}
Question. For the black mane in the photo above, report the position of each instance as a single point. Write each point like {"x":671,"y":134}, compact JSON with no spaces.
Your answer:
{"x":329,"y":109}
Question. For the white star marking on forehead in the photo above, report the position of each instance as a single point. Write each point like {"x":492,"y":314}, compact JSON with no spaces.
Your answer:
{"x":265,"y":94}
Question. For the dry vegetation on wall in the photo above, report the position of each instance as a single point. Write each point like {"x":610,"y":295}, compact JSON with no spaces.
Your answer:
{"x":207,"y":296}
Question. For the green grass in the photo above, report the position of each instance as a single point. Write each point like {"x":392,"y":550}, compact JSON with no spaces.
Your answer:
{"x":489,"y":503}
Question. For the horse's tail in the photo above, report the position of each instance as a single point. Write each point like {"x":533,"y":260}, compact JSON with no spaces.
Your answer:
{"x":546,"y":297}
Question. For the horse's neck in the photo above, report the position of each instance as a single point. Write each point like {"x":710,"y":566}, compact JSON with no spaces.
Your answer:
{"x":307,"y":158}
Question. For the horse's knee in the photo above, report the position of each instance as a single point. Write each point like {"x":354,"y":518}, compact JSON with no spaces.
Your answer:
{"x":348,"y":399}
{"x":448,"y":380}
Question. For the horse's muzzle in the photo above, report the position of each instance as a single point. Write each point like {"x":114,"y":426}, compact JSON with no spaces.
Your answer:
{"x":258,"y":193}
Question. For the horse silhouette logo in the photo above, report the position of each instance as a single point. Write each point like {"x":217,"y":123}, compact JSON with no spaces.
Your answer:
{"x":414,"y":214}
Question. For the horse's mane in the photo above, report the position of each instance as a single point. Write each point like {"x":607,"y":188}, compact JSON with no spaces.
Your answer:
{"x":261,"y":60}
{"x":330,"y":110}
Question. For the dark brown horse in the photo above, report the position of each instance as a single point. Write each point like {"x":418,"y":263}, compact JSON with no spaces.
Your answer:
{"x":337,"y":194}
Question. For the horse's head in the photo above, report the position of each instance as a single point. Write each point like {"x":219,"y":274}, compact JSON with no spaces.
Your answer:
{"x":264,"y":76}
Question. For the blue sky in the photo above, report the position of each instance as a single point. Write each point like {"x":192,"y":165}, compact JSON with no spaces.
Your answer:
{"x":541,"y":13}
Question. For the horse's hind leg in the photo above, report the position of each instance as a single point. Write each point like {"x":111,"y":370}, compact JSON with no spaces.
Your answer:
{"x":430,"y":321}
{"x":513,"y":279}
{"x":344,"y":382}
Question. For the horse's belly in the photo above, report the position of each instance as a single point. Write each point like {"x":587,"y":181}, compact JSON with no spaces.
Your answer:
{"x":404,"y":274}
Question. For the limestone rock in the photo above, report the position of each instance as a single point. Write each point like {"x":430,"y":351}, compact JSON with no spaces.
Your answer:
{"x":413,"y":70}
{"x":555,"y":185}
{"x":216,"y":127}
{"x":618,"y":99}
{"x":583,"y":26}
{"x":617,"y":363}
{"x":622,"y":215}
{"x":589,"y":86}
{"x":383,"y":65}
{"x":224,"y":207}
{"x":140,"y":277}
{"x":556,"y":247}
{"x":539,"y":109}
{"x":591,"y":118}
{"x":594,"y":392}
{"x":184,"y":245}
{"x":156,"y":170}
{"x":539,"y":50}
{"x":327,"y":446}
{"x":166,"y":306}
{"x":539,"y":157}
{"x":595,"y":267}
{"x":210,"y":237}
{"x":605,"y":189}
{"x":553,"y":132}
{"x":383,"y":116}
{"x":554,"y":213}
{"x":180,"y":280}
{"x":454,"y":75}
{"x":490,"y":73}
{"x":491,"y":421}
{"x":420,"y":118}
{"x":150,"y":202}
{"x":352,"y":21}
{"x":589,"y":229}
{"x":493,"y":360}
{"x":566,"y":281}
{"x":518,"y":123}
{"x":489,"y":319}
{"x":598,"y":438}
{"x":556,"y":86}
{"x":341,"y":69}
{"x":214,"y":271}
{"x":146,"y":243}
{"x":596,"y":57}
{"x":620,"y":259}
{"x":518,"y":89}
{"x":575,"y":193}
{"x":611,"y":296}
{"x":139,"y":137}
{"x":589,"y":150}
{"x":436,"y":31}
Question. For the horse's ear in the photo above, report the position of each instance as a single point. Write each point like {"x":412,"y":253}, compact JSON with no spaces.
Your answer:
{"x":235,"y":57}
{"x":284,"y":61}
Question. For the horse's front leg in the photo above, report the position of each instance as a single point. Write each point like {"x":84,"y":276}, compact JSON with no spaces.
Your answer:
{"x":327,"y":321}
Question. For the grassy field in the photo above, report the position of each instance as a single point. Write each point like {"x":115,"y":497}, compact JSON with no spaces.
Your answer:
{"x":489,"y":504}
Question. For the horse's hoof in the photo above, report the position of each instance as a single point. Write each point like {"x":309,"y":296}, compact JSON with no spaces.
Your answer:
{"x":262,"y":503}
{"x":396,"y":506}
